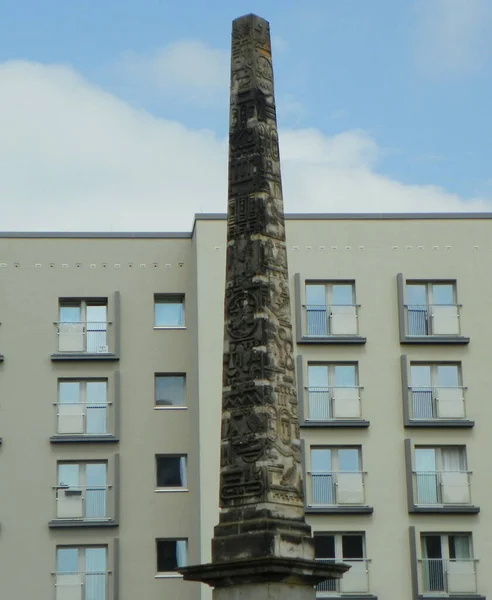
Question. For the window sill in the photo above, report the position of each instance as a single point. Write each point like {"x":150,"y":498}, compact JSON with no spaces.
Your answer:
{"x":340,"y":510}
{"x":64,"y":356}
{"x":340,"y":339}
{"x":462,"y":596}
{"x":435,"y":339}
{"x":170,"y":490}
{"x":449,"y":510}
{"x":360,"y":596}
{"x":336,"y":423}
{"x":169,"y":327}
{"x":67,"y":524}
{"x":170,"y":408}
{"x":84,"y":439}
{"x":440,"y":423}
{"x":169,"y":575}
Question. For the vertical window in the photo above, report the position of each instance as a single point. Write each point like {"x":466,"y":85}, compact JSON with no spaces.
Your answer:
{"x":432,"y":309}
{"x":333,"y":392}
{"x":82,"y":568}
{"x":170,"y":390}
{"x":171,"y":554}
{"x":441,"y":476}
{"x":82,"y":407}
{"x":82,"y":326}
{"x":169,"y":311}
{"x":436,"y":391}
{"x":81,"y":492}
{"x":171,"y":471}
{"x":331,"y":309}
{"x":348,"y":548}
{"x":336,"y":476}
{"x":447,"y":563}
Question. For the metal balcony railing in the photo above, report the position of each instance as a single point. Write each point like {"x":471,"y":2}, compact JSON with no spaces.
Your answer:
{"x":93,"y":585}
{"x":83,"y":418}
{"x":354,"y":581}
{"x":330,"y":403}
{"x":90,"y":337}
{"x":441,"y":488}
{"x":82,"y":503}
{"x":437,"y":402}
{"x":432,"y":319}
{"x":450,"y":576}
{"x":337,"y":488}
{"x":334,"y":320}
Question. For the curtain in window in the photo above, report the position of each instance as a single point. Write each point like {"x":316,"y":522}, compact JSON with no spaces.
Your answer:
{"x":95,"y":574}
{"x":452,"y":459}
{"x":182,"y":471}
{"x":181,"y":558}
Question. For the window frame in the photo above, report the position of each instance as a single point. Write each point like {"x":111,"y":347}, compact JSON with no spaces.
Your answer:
{"x":182,"y":488}
{"x":183,"y":406}
{"x":172,"y":573}
{"x":82,"y":402}
{"x":160,"y":298}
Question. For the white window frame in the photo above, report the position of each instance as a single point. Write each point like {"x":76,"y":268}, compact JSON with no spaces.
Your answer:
{"x":168,"y":299}
{"x":171,"y":574}
{"x":183,"y":465}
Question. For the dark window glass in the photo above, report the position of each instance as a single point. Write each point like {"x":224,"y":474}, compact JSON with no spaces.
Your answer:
{"x":324,"y":546}
{"x":171,"y":471}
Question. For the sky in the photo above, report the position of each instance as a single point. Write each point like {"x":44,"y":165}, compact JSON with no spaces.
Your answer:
{"x":114,"y":113}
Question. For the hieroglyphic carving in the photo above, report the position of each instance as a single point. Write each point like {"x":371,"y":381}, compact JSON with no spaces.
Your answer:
{"x":260,"y":454}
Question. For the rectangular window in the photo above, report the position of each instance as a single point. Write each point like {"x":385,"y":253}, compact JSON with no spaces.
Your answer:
{"x":350,"y":549}
{"x":336,"y":476}
{"x":82,"y":491}
{"x":171,"y":471}
{"x":171,"y":554}
{"x":168,"y":310}
{"x":333,"y":392}
{"x":331,"y":309}
{"x":441,"y":476}
{"x":82,"y":568}
{"x":436,"y":391}
{"x":447,"y":563}
{"x":170,"y":390}
{"x":83,"y":326}
{"x":432,"y":308}
{"x":82,"y":407}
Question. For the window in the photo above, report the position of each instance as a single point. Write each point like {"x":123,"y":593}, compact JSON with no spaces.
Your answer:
{"x":82,"y":491}
{"x":336,"y":476}
{"x":331,"y":309}
{"x":436,"y":391}
{"x":169,"y":311}
{"x":447,"y":563}
{"x":432,"y":309}
{"x":170,"y":390}
{"x":350,"y":549}
{"x":82,"y":568}
{"x":441,"y":476}
{"x":333,"y":392}
{"x":82,"y":326}
{"x":171,"y":471}
{"x":82,"y":407}
{"x":171,"y":554}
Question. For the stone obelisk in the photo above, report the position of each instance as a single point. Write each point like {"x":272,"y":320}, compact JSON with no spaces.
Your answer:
{"x":262,"y":546}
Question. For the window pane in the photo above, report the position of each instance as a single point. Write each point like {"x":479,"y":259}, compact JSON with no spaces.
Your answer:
{"x":425,"y":459}
{"x":431,"y":546}
{"x":95,"y":560}
{"x":321,"y":460}
{"x":96,"y":474}
{"x":96,"y":313}
{"x":168,"y":312}
{"x":420,"y":376}
{"x":170,"y":471}
{"x":316,"y":295}
{"x":96,"y":392}
{"x":67,"y":560}
{"x":416,"y":294}
{"x":447,"y":375}
{"x":69,"y":392}
{"x":443,"y":293}
{"x":68,"y":475}
{"x":348,"y":459}
{"x":345,"y":376}
{"x":170,"y":554}
{"x":318,"y":375}
{"x":324,"y":546}
{"x":453,"y":459}
{"x":342,"y":294}
{"x":170,"y":390}
{"x":70,"y":314}
{"x":459,"y":547}
{"x":352,"y":546}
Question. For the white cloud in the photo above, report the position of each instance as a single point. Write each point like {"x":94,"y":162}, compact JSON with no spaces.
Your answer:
{"x":191,"y":68}
{"x":73,"y":157}
{"x":452,"y":36}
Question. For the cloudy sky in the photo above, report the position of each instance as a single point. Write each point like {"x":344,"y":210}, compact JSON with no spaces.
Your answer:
{"x":113,"y":113}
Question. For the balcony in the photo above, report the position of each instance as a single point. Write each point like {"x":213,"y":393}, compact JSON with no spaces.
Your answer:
{"x":333,"y":403}
{"x":81,"y":421}
{"x":354,"y":581}
{"x":442,"y":576}
{"x":434,"y":489}
{"x":85,"y":341}
{"x":331,"y":324}
{"x":83,"y":506}
{"x":341,"y":491}
{"x":82,"y":586}
{"x":433,"y":323}
{"x":439,"y":403}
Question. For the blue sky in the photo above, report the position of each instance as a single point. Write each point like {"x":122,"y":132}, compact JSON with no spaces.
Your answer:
{"x":382,"y":99}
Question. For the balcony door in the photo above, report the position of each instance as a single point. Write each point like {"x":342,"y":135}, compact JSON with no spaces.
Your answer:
{"x":82,"y":491}
{"x":83,"y":326}
{"x":333,"y":392}
{"x":82,"y":407}
{"x":81,"y":573}
{"x":441,"y":476}
{"x":330,"y":309}
{"x":336,"y":476}
{"x":448,"y":565}
{"x":436,"y":391}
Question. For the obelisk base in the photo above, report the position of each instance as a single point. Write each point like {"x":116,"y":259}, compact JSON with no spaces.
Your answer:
{"x":270,"y":578}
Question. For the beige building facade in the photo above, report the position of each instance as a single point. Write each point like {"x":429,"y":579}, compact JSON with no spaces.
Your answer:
{"x":110,"y":405}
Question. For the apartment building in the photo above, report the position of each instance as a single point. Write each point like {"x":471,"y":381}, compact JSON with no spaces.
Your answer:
{"x":110,"y":393}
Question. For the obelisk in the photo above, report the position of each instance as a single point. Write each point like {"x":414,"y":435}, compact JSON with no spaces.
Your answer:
{"x":262,"y":540}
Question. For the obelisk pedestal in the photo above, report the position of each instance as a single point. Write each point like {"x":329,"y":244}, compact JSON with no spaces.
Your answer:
{"x":262,"y":547}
